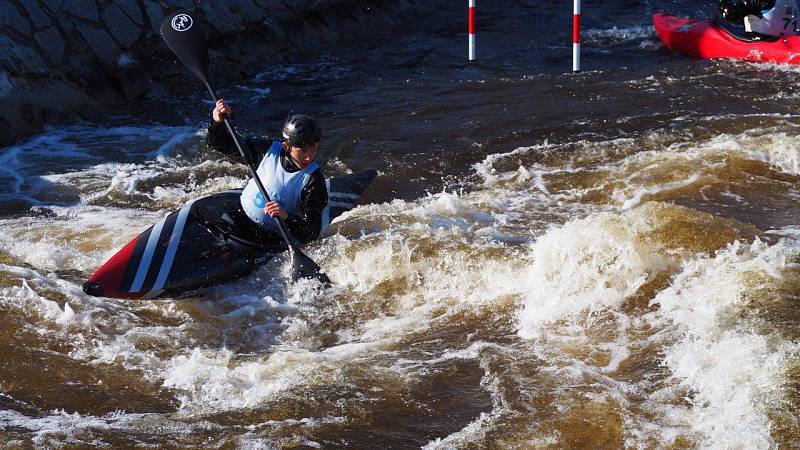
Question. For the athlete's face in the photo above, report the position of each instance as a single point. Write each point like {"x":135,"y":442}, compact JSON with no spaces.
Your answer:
{"x":303,"y":156}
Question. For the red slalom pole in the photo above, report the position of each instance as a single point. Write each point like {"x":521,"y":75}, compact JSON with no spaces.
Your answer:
{"x":576,"y":36}
{"x":472,"y":30}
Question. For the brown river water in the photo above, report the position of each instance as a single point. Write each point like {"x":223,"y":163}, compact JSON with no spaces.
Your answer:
{"x":609,"y":259}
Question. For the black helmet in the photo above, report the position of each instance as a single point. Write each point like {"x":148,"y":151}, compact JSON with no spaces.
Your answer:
{"x":300,"y":130}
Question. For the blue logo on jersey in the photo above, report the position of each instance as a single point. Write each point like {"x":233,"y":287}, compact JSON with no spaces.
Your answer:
{"x":258,"y":201}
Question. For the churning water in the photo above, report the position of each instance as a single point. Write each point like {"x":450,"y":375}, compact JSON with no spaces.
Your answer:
{"x":547,"y":260}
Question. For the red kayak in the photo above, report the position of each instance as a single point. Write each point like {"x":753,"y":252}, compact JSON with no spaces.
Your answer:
{"x":709,"y":39}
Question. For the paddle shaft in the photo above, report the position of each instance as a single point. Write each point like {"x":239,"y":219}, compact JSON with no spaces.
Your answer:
{"x":281,"y":226}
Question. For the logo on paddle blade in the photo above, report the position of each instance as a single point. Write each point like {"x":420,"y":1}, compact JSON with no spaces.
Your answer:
{"x":182,"y":22}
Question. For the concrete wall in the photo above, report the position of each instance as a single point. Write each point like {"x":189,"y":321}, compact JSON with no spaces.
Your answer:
{"x":64,"y":60}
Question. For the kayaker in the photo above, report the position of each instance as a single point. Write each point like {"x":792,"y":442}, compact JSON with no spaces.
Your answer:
{"x":293,"y":180}
{"x":772,"y":18}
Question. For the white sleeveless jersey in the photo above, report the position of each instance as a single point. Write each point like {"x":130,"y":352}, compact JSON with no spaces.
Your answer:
{"x":282,"y":186}
{"x":781,"y":20}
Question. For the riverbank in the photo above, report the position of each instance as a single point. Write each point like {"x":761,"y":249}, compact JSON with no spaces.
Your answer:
{"x":63,"y":62}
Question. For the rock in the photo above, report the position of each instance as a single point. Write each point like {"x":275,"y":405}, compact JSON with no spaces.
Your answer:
{"x":52,"y":43}
{"x":249,"y":11}
{"x":10,"y":17}
{"x":298,"y":5}
{"x":101,"y":44}
{"x":274,"y":27}
{"x":66,"y":24}
{"x":30,"y":105}
{"x":78,"y":66}
{"x":268,"y":4}
{"x":53,"y":5}
{"x":121,"y":27}
{"x":312,"y":32}
{"x":39,"y":18}
{"x":222,"y":19}
{"x":131,"y":9}
{"x":6,"y":86}
{"x":155,"y":14}
{"x":19,"y":59}
{"x":131,"y":78}
{"x":332,"y":25}
{"x":85,"y":9}
{"x":49,"y":75}
{"x":182,"y":4}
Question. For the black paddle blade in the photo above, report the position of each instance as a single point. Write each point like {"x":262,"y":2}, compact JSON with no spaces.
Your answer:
{"x":183,"y":35}
{"x":305,"y":267}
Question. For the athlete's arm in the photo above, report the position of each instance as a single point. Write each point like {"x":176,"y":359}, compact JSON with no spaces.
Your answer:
{"x":220,"y":140}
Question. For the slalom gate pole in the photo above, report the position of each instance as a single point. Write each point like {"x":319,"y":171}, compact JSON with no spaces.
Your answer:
{"x":576,"y":36}
{"x":471,"y":30}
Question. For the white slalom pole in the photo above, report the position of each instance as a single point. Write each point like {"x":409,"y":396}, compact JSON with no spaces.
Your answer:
{"x":576,"y":36}
{"x":471,"y":27}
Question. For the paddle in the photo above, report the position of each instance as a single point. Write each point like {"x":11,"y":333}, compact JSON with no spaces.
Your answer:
{"x":184,"y":37}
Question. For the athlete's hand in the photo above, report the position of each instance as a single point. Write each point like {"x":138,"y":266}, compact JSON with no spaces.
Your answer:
{"x":274,"y":209}
{"x":221,"y":110}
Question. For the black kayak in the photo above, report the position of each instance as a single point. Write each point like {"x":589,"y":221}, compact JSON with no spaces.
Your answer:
{"x":207,"y":242}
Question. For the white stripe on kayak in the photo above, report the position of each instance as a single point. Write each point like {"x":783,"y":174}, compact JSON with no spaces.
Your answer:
{"x":326,"y":213}
{"x":340,"y":204}
{"x":169,"y":257}
{"x":326,"y":216}
{"x":147,"y":257}
{"x":344,"y":194}
{"x":151,"y":294}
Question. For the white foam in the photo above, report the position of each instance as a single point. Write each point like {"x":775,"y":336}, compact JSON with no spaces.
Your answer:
{"x":61,"y":241}
{"x":60,"y":428}
{"x":778,"y":149}
{"x":614,"y":35}
{"x":734,"y":372}
{"x":636,"y":176}
{"x":638,"y":195}
{"x":23,"y":296}
{"x":255,"y":94}
{"x":419,"y":264}
{"x":586,"y":265}
{"x":36,"y":164}
{"x":593,"y":265}
{"x":220,"y":379}
{"x":215,"y":380}
{"x":474,"y":431}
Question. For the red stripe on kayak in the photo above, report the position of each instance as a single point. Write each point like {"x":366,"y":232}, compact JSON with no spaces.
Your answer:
{"x":576,"y":28}
{"x":109,"y":275}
